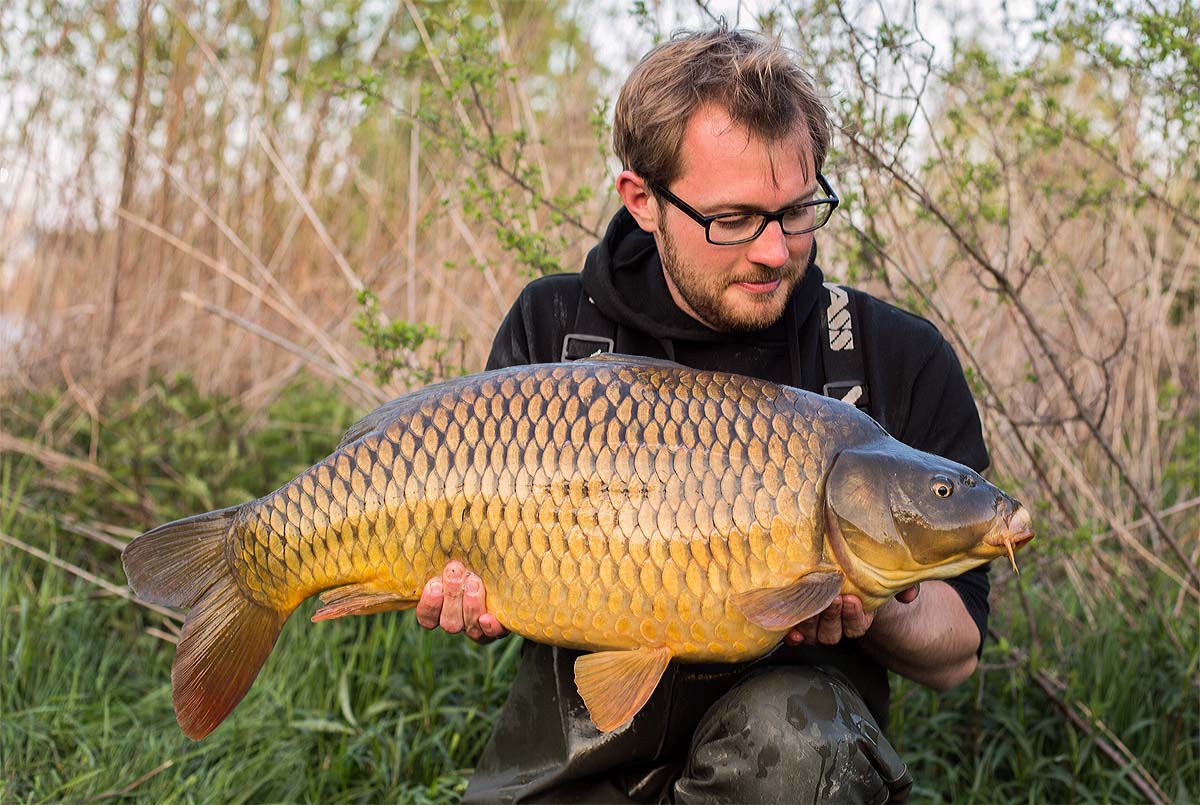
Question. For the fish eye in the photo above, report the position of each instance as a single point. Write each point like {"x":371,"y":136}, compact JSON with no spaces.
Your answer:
{"x":942,"y":487}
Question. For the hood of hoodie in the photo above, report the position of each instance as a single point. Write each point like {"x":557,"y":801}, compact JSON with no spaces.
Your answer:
{"x":623,"y":275}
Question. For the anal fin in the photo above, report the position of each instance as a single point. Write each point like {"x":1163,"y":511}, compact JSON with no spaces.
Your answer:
{"x":784,"y":607}
{"x":359,"y":599}
{"x":615,"y":685}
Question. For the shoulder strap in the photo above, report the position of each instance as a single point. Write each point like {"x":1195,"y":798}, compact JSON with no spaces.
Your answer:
{"x":841,"y":350}
{"x":593,"y":332}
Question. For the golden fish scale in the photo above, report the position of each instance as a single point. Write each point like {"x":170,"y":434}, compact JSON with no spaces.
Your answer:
{"x":607,"y":507}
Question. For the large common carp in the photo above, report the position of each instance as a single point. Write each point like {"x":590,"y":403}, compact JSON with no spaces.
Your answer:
{"x":631,"y":507}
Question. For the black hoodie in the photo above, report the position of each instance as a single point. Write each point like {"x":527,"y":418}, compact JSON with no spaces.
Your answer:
{"x":544,"y":744}
{"x":917,"y":387}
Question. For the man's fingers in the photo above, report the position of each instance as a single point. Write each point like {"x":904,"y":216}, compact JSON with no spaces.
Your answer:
{"x":474,"y":605}
{"x":429,"y":608}
{"x":843,"y":618}
{"x":482,"y":626}
{"x":909,"y":595}
{"x":855,"y":622}
{"x":808,"y":629}
{"x":456,"y":601}
{"x":829,"y":629}
{"x":491,"y":627}
{"x":452,"y":603}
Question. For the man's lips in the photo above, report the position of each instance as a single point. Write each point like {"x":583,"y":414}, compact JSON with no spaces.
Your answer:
{"x":759,"y":287}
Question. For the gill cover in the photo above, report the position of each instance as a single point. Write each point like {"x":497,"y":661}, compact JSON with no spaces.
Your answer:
{"x":902,"y":510}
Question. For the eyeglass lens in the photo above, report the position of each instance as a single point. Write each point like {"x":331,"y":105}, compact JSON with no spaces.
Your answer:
{"x":796,"y":221}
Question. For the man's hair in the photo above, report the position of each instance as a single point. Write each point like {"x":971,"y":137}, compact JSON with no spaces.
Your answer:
{"x":751,"y":77}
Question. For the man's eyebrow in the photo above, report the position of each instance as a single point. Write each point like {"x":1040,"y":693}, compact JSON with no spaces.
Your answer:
{"x":738,"y":206}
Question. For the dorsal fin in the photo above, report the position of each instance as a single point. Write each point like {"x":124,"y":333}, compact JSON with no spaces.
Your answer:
{"x":377,"y":419}
{"x":606,"y":358}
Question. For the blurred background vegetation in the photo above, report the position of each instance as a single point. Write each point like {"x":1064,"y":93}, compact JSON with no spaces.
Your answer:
{"x":228,"y":229}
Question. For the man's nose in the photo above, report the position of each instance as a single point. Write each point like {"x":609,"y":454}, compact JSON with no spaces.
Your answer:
{"x":770,"y":248}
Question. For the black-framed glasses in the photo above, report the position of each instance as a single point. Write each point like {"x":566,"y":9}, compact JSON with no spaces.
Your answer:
{"x":731,"y":228}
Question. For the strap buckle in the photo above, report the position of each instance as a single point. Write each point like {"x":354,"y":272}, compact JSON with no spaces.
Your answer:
{"x":577,"y":345}
{"x":853,"y":392}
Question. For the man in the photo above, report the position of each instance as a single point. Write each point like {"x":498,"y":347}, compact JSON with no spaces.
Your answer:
{"x":711,"y":263}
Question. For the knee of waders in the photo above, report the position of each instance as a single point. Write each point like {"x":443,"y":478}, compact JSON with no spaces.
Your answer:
{"x":794,"y":734}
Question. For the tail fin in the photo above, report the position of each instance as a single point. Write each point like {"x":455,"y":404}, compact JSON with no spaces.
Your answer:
{"x":226,"y":637}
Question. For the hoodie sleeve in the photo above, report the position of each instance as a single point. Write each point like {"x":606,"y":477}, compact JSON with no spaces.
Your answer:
{"x":942,"y":417}
{"x":510,"y":346}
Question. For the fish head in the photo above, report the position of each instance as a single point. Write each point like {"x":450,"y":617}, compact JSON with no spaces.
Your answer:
{"x":897,"y":516}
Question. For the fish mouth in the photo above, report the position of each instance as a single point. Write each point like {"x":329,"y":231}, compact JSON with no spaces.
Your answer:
{"x":1017,"y":530}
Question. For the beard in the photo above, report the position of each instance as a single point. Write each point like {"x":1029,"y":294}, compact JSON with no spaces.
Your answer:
{"x":724,"y":310}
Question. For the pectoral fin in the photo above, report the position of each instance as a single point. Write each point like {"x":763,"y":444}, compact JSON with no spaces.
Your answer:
{"x":615,"y":684}
{"x":359,"y":599}
{"x":783,"y":607}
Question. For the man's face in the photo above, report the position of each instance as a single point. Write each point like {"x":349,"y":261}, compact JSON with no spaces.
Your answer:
{"x":746,"y":286}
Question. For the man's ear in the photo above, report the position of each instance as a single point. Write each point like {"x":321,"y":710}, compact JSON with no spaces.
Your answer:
{"x":636,"y":195}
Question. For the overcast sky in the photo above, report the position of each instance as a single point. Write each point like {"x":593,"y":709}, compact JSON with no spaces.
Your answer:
{"x":619,"y":40}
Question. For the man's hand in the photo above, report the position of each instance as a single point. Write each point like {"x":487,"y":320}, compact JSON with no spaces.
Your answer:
{"x":843,"y":618}
{"x":933,"y":640}
{"x":456,"y":601}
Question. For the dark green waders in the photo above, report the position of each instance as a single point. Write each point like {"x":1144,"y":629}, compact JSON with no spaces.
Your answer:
{"x":713,"y":733}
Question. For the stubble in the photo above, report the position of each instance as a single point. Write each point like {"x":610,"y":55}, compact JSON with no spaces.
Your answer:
{"x":721,"y":306}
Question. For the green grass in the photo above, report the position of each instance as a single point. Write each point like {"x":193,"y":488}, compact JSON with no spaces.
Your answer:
{"x":1001,"y":738}
{"x":357,"y":710}
{"x":376,"y":709}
